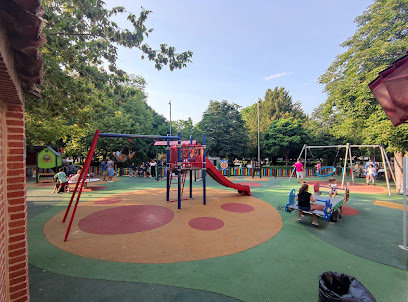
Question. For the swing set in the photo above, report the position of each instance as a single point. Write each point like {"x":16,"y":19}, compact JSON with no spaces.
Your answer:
{"x":330,"y":170}
{"x":174,"y":162}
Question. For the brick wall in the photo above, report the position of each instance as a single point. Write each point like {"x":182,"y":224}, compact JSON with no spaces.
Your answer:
{"x":16,"y":200}
{"x":13,"y":209}
{"x":3,"y":228}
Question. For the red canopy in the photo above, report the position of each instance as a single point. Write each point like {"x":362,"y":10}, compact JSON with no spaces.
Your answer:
{"x":391,"y":90}
{"x":173,"y":143}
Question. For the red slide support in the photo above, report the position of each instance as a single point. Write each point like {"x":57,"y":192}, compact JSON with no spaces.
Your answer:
{"x":218,"y":177}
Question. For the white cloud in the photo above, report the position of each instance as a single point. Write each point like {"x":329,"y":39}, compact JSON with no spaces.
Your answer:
{"x":277,"y":75}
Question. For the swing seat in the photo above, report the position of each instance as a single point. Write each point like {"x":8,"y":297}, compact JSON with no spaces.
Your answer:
{"x":326,"y":171}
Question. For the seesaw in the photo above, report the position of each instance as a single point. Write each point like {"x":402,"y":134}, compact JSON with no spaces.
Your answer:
{"x":332,"y":207}
{"x":346,"y":193}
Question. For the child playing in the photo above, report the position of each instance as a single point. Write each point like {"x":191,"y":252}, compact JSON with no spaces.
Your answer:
{"x":370,"y":174}
{"x":62,"y":178}
{"x":318,"y":166}
{"x":124,"y":154}
{"x":56,"y":187}
{"x":333,"y":187}
{"x":304,"y":198}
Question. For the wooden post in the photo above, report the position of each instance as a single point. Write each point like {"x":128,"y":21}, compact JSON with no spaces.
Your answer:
{"x":351,"y":166}
{"x":300,"y":155}
{"x":385,"y":170}
{"x":345,"y":165}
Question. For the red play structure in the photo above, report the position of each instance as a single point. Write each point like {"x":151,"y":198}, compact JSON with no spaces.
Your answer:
{"x":192,"y":158}
{"x":181,"y":157}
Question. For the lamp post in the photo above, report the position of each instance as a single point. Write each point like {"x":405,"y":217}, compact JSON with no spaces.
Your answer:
{"x":259,"y":147}
{"x":170,"y":116}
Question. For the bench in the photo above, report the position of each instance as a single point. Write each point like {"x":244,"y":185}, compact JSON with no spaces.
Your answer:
{"x":45,"y":177}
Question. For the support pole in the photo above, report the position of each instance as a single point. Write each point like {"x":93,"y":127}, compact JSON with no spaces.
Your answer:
{"x":168,"y":171}
{"x":179,"y":172}
{"x":404,"y":208}
{"x":389,"y":166}
{"x":300,"y":155}
{"x":345,"y":165}
{"x":351,"y":165}
{"x":82,"y":177}
{"x":385,"y":171}
{"x":191,"y":171}
{"x":204,"y":170}
{"x":304,"y":166}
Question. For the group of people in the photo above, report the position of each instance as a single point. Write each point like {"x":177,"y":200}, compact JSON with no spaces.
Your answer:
{"x":63,"y":179}
{"x":370,"y":171}
{"x":146,"y":169}
{"x":108,"y":166}
{"x":305,"y":199}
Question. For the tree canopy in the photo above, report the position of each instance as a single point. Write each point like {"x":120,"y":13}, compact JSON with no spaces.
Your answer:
{"x":381,"y":38}
{"x":83,"y":89}
{"x":277,"y":104}
{"x":225,"y":130}
{"x":284,"y":137}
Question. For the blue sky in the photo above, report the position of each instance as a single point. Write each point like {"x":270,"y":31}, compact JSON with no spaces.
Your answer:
{"x":241,"y":48}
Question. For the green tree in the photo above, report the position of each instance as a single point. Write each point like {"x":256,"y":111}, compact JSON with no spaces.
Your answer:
{"x":81,"y":79}
{"x":187,"y":129}
{"x":225,"y":130}
{"x":277,"y":104}
{"x":284,"y":136}
{"x":380,"y":39}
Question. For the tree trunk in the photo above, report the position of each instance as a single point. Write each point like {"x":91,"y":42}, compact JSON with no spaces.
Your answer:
{"x":398,"y":169}
{"x":286,"y":155}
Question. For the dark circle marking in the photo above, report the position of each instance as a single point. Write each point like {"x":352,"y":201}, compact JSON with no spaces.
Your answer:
{"x":126,"y":219}
{"x":206,"y":223}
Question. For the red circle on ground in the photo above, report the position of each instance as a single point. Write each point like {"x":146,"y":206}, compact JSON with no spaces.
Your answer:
{"x":108,"y":201}
{"x":349,"y":211}
{"x":237,"y":207}
{"x":90,"y":189}
{"x":249,"y":184}
{"x":126,"y":220}
{"x":345,"y":210}
{"x":206,"y":223}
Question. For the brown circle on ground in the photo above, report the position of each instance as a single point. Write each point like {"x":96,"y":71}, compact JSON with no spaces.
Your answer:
{"x":237,"y":207}
{"x":206,"y":223}
{"x":249,"y":184}
{"x":175,"y":241}
{"x":108,"y":201}
{"x":126,"y":219}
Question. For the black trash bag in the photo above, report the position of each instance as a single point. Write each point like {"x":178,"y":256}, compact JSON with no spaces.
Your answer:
{"x":341,"y":287}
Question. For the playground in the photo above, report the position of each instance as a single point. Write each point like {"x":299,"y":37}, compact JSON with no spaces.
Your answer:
{"x":127,"y":243}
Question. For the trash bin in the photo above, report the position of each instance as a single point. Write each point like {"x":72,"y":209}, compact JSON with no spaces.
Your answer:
{"x":341,"y":287}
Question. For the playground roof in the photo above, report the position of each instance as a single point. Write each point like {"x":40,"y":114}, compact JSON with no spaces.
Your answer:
{"x":22,"y":24}
{"x":391,"y":90}
{"x":173,"y":143}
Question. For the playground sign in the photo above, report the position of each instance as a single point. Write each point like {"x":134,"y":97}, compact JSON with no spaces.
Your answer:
{"x":224,"y":165}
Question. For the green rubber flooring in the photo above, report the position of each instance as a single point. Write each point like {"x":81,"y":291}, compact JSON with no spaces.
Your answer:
{"x":284,"y":268}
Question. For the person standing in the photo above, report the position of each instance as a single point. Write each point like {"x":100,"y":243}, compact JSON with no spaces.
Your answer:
{"x":299,"y":170}
{"x":110,"y":166}
{"x":153,"y":165}
{"x":104,"y":170}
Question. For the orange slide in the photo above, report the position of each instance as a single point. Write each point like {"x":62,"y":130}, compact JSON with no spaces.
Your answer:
{"x":218,"y":177}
